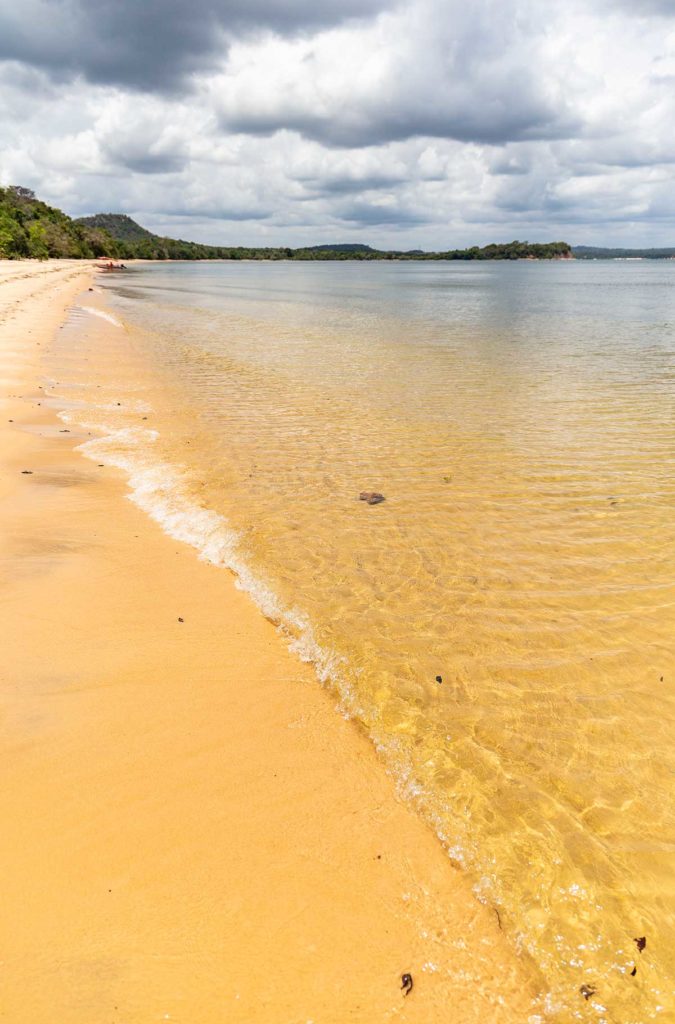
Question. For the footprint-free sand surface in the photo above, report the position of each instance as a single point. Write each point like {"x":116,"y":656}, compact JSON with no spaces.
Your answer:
{"x":191,"y":832}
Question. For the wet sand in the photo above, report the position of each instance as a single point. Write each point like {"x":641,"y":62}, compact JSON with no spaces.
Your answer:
{"x":191,"y":831}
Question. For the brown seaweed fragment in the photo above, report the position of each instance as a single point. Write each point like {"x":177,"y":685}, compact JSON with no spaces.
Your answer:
{"x":640,"y":943}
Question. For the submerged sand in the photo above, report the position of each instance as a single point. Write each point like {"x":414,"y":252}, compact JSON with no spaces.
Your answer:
{"x":191,"y":831}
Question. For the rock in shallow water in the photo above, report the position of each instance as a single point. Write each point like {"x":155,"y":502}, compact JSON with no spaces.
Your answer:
{"x":372,"y":497}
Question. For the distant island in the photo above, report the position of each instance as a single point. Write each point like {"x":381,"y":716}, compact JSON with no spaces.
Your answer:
{"x":590,"y":252}
{"x":30,"y":229}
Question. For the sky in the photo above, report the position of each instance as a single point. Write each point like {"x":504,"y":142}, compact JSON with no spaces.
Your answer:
{"x":428,"y":124}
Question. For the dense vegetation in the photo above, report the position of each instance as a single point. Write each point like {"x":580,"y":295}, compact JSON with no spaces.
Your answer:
{"x":507,"y":251}
{"x":30,"y":228}
{"x":589,"y":252}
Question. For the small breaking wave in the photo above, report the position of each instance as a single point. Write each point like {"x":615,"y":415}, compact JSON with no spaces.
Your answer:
{"x":161,"y":490}
{"x":104,"y":316}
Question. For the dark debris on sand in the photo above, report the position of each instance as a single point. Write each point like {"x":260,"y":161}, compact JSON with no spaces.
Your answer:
{"x":371,"y":497}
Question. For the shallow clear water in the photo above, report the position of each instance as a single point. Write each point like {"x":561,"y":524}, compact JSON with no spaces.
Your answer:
{"x":520,"y":421}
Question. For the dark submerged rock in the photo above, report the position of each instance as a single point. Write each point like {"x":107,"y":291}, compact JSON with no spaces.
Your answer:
{"x":371,"y":497}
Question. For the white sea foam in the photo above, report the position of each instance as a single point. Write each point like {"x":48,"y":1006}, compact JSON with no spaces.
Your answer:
{"x":161,"y":490}
{"x":99,"y":312}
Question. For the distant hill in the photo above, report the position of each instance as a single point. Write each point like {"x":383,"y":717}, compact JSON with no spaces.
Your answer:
{"x":124,"y":229}
{"x":136,"y":242}
{"x":590,"y":252}
{"x":341,"y":247}
{"x":121,"y":227}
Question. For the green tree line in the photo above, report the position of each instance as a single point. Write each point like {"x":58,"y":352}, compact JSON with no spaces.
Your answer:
{"x":31,"y":229}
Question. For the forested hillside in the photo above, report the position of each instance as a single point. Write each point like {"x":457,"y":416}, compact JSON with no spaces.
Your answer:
{"x":30,"y":228}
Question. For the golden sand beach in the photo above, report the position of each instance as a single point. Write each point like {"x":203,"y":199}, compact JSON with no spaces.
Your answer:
{"x":191,"y":831}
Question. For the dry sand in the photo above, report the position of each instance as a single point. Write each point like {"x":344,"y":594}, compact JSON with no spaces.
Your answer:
{"x":190,"y":831}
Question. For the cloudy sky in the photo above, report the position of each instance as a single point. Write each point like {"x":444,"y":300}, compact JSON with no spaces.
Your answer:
{"x":403,"y":123}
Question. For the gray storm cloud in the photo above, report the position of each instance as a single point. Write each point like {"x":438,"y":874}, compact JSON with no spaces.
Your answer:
{"x":150,"y":44}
